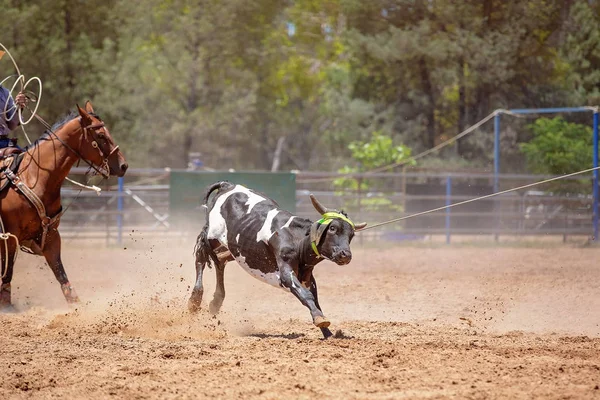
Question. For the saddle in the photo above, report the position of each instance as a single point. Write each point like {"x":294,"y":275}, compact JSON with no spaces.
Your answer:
{"x":10,"y":159}
{"x":8,"y":151}
{"x":8,"y":146}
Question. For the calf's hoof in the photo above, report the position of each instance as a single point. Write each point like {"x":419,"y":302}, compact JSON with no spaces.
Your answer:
{"x":69,"y":293}
{"x":321,"y":322}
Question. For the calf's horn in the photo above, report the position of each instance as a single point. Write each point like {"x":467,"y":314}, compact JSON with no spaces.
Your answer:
{"x":358,"y":227}
{"x":318,"y":206}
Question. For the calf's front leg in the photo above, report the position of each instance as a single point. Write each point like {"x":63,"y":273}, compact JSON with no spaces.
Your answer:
{"x":290,"y":281}
{"x":313,"y":289}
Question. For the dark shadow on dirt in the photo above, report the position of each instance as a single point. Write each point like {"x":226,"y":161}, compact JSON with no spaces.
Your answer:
{"x":289,"y":336}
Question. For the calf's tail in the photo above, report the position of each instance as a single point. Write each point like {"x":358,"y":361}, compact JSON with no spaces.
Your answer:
{"x":203,"y":250}
{"x":215,"y":186}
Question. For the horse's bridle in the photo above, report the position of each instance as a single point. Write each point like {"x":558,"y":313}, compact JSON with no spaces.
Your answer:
{"x":103,"y":169}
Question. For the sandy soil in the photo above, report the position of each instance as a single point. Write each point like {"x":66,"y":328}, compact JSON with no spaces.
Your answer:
{"x":411,"y":323}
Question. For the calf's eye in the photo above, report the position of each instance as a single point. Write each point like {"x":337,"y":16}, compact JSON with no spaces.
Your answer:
{"x":332,"y":228}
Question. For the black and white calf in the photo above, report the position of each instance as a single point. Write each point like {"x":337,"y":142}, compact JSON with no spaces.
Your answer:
{"x":271,"y":244}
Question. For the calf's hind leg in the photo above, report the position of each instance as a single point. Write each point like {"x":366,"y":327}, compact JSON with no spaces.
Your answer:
{"x":196,"y":298}
{"x":219,"y":296}
{"x":201,"y":259}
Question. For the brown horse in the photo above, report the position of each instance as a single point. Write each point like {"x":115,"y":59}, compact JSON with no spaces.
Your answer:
{"x":43,"y":169}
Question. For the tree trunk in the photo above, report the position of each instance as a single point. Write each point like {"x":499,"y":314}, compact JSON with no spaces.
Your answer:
{"x":192,"y":101}
{"x":564,"y":17}
{"x":69,"y":49}
{"x":487,"y":12}
{"x":429,"y":141}
{"x":262,"y":144}
{"x":462,"y":107}
{"x":482,"y":92}
{"x":16,"y":4}
{"x":277,"y":155}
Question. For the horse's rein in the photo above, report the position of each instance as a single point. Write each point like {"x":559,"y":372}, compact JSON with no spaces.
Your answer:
{"x":94,"y":145}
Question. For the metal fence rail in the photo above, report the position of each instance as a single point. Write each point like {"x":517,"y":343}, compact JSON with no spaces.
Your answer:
{"x":141,"y":204}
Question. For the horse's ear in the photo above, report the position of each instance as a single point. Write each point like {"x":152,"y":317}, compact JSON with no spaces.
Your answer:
{"x":88,"y":107}
{"x":85,"y":117}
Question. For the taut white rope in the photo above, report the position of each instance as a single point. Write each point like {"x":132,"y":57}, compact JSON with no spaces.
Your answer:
{"x":556,"y":178}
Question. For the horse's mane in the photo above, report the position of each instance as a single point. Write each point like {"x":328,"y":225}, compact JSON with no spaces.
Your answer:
{"x":71,"y":115}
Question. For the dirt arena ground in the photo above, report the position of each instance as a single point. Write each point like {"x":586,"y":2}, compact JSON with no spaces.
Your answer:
{"x":411,"y":322}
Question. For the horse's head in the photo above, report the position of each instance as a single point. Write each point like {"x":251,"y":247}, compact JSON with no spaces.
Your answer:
{"x":98,"y":146}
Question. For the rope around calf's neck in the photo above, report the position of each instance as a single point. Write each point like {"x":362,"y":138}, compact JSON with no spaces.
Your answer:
{"x":556,"y":178}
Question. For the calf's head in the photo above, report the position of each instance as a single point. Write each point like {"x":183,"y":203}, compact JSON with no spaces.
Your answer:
{"x":331,"y":235}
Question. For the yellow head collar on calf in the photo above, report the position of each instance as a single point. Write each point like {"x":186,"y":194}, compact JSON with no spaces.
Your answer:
{"x":331,"y":215}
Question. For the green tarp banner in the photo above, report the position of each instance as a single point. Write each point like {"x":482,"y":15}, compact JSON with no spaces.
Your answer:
{"x":188,"y":187}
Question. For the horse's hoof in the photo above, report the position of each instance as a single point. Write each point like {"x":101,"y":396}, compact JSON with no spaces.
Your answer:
{"x":7,"y":309}
{"x":5,"y":295}
{"x":214,"y":308}
{"x":321,"y":322}
{"x":69,"y":293}
{"x":73,"y":300}
{"x":193,"y":306}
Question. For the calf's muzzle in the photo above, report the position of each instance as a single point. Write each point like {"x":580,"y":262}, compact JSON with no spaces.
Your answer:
{"x":342,"y":257}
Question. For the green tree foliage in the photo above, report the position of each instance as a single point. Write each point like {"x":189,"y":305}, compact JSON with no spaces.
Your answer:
{"x":377,"y":152}
{"x":558,"y":147}
{"x":448,"y":64}
{"x":581,"y":52}
{"x":232,"y":79}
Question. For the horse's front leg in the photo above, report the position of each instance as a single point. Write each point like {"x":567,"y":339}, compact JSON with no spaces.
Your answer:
{"x":6,"y":272}
{"x":51,"y":252}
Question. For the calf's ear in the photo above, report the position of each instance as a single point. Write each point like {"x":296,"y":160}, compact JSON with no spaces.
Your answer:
{"x":358,"y":227}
